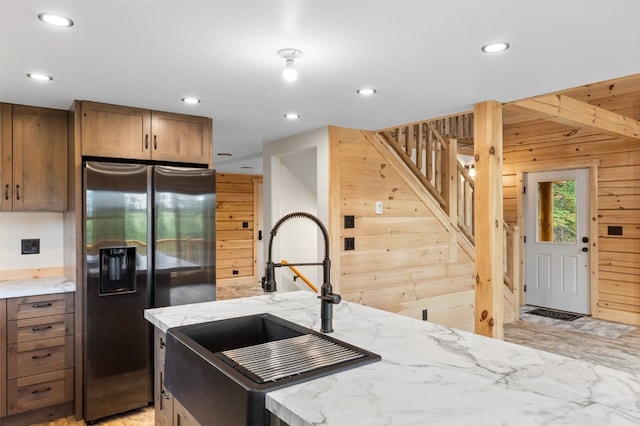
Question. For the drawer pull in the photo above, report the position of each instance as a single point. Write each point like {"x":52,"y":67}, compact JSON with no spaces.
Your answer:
{"x":165,"y":395}
{"x":41,"y":328}
{"x":41,"y":305}
{"x":42,"y":390}
{"x":41,"y":356}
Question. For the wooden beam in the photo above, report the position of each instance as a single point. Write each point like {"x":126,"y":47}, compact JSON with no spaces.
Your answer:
{"x":489,"y":300}
{"x":568,"y":111}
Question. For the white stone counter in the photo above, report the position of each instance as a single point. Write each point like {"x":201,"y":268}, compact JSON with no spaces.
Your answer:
{"x":429,"y":374}
{"x":35,"y":287}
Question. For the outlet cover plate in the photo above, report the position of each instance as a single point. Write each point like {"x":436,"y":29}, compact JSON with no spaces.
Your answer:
{"x":30,"y":246}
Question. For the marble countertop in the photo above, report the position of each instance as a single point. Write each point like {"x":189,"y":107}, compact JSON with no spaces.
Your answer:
{"x":35,"y":287}
{"x":429,"y":374}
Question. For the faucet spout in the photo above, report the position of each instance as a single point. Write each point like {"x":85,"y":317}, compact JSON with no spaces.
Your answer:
{"x":327,"y":297}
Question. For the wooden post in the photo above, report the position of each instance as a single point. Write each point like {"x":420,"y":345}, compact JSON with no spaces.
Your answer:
{"x":489,"y":301}
{"x":451,"y":179}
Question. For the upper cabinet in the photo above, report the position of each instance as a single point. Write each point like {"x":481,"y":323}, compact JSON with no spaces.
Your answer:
{"x":115,"y":131}
{"x":33,"y":158}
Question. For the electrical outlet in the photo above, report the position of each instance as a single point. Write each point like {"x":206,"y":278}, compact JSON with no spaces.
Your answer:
{"x":349,"y":222}
{"x":31,"y":246}
{"x":349,"y":243}
{"x":378,"y":207}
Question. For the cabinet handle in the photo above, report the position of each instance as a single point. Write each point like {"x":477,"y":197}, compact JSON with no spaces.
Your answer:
{"x":42,"y":390}
{"x":6,"y":192}
{"x":155,"y":141}
{"x":17,"y":192}
{"x":162,"y":344}
{"x":41,"y":328}
{"x":41,"y":305}
{"x":146,"y":141}
{"x":164,"y":394}
{"x":41,"y":356}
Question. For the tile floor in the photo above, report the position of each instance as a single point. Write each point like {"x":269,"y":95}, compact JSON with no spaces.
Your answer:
{"x":622,"y":353}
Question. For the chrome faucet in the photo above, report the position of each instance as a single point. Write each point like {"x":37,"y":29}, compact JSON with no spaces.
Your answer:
{"x":327,"y":297}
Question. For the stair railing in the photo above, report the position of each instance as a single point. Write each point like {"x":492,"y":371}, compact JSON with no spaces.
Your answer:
{"x":430,"y":149}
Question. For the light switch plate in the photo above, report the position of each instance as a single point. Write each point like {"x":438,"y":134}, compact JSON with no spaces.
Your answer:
{"x":378,"y":207}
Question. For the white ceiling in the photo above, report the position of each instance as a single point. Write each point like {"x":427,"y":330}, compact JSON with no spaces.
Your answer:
{"x":423,"y":57}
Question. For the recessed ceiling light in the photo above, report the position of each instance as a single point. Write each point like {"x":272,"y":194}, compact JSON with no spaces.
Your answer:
{"x":225,"y":154}
{"x":366,"y":91}
{"x":55,"y":19}
{"x":191,"y":101}
{"x":39,"y":76}
{"x":292,"y":116}
{"x":495,"y":47}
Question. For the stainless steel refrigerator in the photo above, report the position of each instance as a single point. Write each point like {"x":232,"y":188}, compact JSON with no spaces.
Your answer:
{"x":149,"y":239}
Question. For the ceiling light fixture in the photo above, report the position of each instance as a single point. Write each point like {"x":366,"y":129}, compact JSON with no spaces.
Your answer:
{"x":498,"y":46}
{"x":366,"y":91}
{"x":55,"y":19}
{"x":191,"y":101}
{"x":290,"y":73}
{"x":39,"y":76}
{"x":292,"y":116}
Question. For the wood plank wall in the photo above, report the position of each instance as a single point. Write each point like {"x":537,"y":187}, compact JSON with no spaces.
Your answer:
{"x":403,"y":261}
{"x":235,"y":228}
{"x":618,"y":198}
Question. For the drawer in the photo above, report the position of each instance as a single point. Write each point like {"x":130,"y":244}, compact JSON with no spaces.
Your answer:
{"x":39,"y":356}
{"x":28,"y":329}
{"x":39,"y":306}
{"x":42,"y":390}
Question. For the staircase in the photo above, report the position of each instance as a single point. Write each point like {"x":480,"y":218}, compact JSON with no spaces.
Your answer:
{"x":430,"y":151}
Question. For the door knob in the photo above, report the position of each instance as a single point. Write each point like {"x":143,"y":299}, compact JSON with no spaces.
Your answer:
{"x":585,"y":249}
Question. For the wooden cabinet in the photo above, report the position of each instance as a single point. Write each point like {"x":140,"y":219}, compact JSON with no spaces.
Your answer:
{"x":162,"y":398}
{"x":168,"y":410}
{"x":39,"y":353}
{"x":114,"y":131}
{"x":181,"y":417}
{"x":33,"y":158}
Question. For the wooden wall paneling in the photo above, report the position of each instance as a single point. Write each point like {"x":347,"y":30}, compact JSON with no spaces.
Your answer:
{"x":402,"y":258}
{"x":615,"y":193}
{"x":235,"y":227}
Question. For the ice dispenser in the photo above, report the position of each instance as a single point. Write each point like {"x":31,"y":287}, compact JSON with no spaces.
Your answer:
{"x":117,"y":270}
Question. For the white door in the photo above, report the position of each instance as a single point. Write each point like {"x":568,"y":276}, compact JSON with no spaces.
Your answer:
{"x":557,"y":240}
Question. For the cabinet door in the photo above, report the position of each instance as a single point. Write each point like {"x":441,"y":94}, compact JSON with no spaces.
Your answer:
{"x":6,"y":158}
{"x":39,"y":159}
{"x":115,"y":131}
{"x":181,"y":138}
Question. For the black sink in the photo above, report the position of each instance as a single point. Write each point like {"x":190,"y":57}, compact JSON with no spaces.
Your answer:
{"x":220,"y":370}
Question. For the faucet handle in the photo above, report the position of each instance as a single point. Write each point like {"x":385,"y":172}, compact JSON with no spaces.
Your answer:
{"x":331,"y":298}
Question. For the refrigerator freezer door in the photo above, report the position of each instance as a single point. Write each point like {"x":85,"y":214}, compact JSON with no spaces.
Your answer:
{"x":117,"y":373}
{"x":184,"y":231}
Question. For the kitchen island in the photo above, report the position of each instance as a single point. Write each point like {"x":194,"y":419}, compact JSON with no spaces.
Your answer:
{"x":429,"y":374}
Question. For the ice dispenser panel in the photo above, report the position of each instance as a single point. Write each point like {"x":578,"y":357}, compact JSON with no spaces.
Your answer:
{"x":117,"y":270}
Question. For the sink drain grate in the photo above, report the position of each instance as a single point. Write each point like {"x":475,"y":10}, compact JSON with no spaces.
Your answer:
{"x":267,"y":362}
